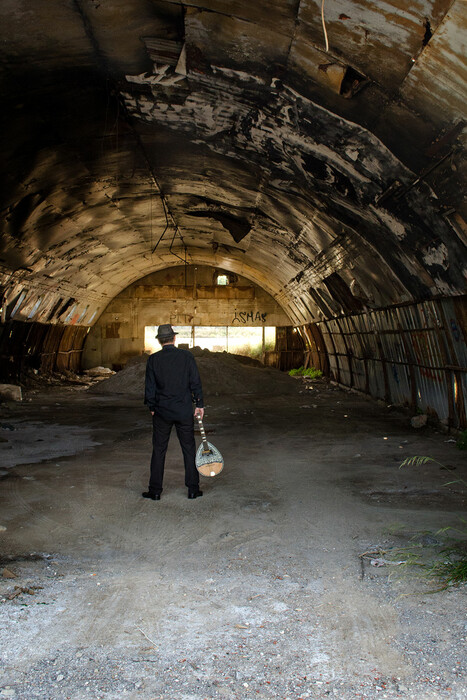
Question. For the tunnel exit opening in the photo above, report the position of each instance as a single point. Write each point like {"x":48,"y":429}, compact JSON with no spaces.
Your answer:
{"x":246,"y":340}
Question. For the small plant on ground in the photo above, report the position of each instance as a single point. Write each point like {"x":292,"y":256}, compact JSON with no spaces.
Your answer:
{"x":417,"y":461}
{"x":448,"y":561}
{"x":452,"y":571}
{"x":310,"y":373}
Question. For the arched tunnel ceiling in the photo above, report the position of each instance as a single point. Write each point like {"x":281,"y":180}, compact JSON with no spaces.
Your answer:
{"x":227,"y":133}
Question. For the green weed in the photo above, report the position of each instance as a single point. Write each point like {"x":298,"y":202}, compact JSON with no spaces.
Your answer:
{"x":310,"y":373}
{"x":450,"y":572}
{"x":444,"y":562}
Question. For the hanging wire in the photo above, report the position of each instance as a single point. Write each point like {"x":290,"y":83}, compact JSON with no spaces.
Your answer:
{"x":175,"y":229}
{"x":324,"y":26}
{"x":150,"y":206}
{"x":166,"y":226}
{"x":177,"y":232}
{"x":169,"y":218}
{"x":117,"y":143}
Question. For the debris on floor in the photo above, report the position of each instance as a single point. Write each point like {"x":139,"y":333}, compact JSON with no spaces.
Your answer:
{"x":6,"y":573}
{"x":419,"y":421}
{"x":10,"y":392}
{"x":18,"y":590}
{"x":99,"y":372}
{"x":257,"y":593}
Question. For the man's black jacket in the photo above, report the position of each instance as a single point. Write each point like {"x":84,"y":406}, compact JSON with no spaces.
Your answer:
{"x":172,"y":382}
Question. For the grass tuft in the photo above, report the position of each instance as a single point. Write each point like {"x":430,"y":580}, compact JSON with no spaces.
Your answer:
{"x":433,"y":562}
{"x":417,"y":461}
{"x":310,"y":373}
{"x":445,"y":563}
{"x":451,"y":572}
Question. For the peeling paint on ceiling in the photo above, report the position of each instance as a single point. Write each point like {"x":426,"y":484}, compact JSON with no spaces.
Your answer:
{"x":138,"y":135}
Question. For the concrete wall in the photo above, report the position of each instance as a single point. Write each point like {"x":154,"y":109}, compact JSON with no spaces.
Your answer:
{"x":183,"y":297}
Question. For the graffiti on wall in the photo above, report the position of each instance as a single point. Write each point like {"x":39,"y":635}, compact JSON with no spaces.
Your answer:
{"x":245,"y":316}
{"x":425,"y":356}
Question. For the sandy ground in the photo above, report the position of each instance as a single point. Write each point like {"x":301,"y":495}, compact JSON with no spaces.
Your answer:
{"x":255,"y":590}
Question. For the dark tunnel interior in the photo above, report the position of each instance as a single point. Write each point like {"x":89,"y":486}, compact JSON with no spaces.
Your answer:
{"x":321,"y":157}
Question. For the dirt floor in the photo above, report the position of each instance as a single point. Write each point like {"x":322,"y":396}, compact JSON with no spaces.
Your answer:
{"x":255,"y":590}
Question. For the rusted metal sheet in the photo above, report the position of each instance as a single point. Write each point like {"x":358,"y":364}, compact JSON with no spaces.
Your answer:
{"x":64,"y":349}
{"x":455,"y":318}
{"x":284,"y":359}
{"x":71,"y":345}
{"x":331,"y":350}
{"x":39,"y":346}
{"x":12,"y":342}
{"x":413,"y":355}
{"x":340,"y":363}
{"x":376,"y":379}
{"x":400,"y":383}
{"x":34,"y":341}
{"x":50,"y":348}
{"x":432,"y":396}
{"x":290,"y":347}
{"x":436,"y":83}
{"x":359,"y":373}
{"x":315,"y":349}
{"x":272,"y":358}
{"x":288,"y":338}
{"x":394,"y":354}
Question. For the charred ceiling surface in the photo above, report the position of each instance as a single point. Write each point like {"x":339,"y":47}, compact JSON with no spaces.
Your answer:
{"x":314,"y":147}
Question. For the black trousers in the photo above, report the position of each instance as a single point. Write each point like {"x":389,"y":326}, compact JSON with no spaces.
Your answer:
{"x":161,"y":429}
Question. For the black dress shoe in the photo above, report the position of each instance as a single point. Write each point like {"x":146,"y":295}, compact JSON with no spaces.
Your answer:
{"x":151,"y":494}
{"x":194,"y":494}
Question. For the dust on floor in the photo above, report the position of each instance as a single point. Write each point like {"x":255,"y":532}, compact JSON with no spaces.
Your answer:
{"x":255,"y":590}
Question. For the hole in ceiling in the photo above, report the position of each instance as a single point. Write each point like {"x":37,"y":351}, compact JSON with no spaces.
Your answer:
{"x":344,"y":80}
{"x":238,"y":227}
{"x":428,"y":32}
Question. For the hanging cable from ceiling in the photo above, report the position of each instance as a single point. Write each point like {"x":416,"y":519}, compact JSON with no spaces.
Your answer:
{"x":169,"y":217}
{"x":324,"y":26}
{"x":168,"y":214}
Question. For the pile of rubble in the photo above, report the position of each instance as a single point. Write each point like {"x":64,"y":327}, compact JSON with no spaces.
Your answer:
{"x":221,"y":373}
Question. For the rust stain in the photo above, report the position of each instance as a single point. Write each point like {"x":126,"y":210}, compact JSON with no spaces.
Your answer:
{"x":112,"y":330}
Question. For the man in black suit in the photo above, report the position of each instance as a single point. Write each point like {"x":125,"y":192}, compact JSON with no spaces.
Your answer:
{"x":172,"y":383}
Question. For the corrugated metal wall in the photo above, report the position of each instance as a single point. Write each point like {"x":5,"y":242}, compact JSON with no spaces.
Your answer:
{"x":288,"y":353}
{"x":414,"y":355}
{"x":39,"y":346}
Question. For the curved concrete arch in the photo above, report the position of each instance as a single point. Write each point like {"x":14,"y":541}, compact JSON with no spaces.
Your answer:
{"x":240,"y":132}
{"x":325,"y":162}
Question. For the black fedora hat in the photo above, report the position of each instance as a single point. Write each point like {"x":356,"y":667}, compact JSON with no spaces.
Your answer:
{"x":165,"y":332}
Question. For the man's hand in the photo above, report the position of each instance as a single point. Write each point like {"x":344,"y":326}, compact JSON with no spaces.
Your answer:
{"x":199,"y":412}
{"x":152,"y":413}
